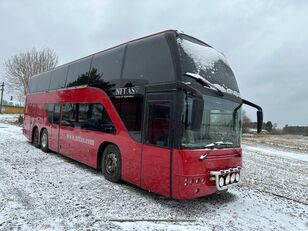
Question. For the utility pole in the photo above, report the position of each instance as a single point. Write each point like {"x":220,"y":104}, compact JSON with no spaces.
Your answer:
{"x":1,"y":99}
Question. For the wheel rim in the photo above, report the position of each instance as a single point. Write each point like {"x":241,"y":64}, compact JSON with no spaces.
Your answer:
{"x":111,"y":163}
{"x":44,"y":140}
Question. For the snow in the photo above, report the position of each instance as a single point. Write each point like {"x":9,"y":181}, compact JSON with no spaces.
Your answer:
{"x":214,"y":85}
{"x":205,"y":58}
{"x":9,"y":118}
{"x":271,"y":151}
{"x":266,"y":170}
{"x":46,"y":191}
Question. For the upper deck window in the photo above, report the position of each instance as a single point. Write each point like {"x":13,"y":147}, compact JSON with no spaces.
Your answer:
{"x":201,"y":59}
{"x":150,"y":60}
{"x":58,"y":78}
{"x":40,"y":83}
{"x":78,"y":73}
{"x":107,"y":65}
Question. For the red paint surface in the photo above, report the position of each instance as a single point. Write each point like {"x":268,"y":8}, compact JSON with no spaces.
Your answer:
{"x":146,"y":166}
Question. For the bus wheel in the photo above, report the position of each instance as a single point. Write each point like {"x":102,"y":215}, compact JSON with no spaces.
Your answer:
{"x":35,"y":139}
{"x":44,"y":140}
{"x":111,"y":163}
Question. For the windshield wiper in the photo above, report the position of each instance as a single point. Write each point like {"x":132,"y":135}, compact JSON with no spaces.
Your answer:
{"x":218,"y":144}
{"x":204,"y":82}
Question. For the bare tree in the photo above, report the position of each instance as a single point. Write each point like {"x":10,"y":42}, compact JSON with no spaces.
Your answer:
{"x":21,"y":67}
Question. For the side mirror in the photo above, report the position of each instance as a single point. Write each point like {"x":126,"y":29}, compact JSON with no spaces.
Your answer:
{"x":197,"y":113}
{"x":259,"y":114}
{"x":259,"y":121}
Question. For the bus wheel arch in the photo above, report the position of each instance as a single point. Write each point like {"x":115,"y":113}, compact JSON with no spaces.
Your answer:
{"x":110,"y":161}
{"x":44,"y":140}
{"x":35,"y":137}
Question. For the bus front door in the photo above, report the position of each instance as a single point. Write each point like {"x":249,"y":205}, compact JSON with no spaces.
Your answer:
{"x":157,"y":140}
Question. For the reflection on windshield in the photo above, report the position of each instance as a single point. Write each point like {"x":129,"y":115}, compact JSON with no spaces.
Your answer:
{"x":220,"y":126}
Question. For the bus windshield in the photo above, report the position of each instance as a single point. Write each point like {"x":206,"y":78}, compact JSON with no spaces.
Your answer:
{"x":220,"y":125}
{"x":200,"y":59}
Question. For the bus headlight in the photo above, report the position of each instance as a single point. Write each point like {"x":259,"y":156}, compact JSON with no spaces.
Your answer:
{"x":237,"y":177}
{"x":232,"y":179}
{"x":221,"y":181}
{"x":227,"y":181}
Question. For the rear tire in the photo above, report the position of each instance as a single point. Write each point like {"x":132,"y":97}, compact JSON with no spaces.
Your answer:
{"x":35,"y":138}
{"x":111,"y":163}
{"x":44,"y":140}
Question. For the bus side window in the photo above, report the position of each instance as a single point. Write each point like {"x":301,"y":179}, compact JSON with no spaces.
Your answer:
{"x":106,"y":66}
{"x":158,"y":124}
{"x":78,"y":72}
{"x":49,"y":111}
{"x":56,"y":114}
{"x":130,"y":111}
{"x":149,"y":59}
{"x":82,"y":114}
{"x":69,"y":114}
{"x":96,"y":118}
{"x":58,"y":78}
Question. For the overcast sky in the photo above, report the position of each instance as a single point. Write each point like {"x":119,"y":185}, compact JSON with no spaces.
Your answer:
{"x":265,"y":42}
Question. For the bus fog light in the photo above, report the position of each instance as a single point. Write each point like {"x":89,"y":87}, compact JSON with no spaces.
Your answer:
{"x":232,"y":179}
{"x":227,"y":181}
{"x":237,"y":177}
{"x":221,"y":181}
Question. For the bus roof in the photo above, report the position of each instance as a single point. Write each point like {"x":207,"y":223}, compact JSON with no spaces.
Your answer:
{"x":110,"y":48}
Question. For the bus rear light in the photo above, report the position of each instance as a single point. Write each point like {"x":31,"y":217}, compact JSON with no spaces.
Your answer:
{"x":190,"y":181}
{"x":202,"y":180}
{"x":197,"y":181}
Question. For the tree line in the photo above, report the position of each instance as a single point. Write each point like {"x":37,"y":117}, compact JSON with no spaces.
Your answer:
{"x":270,"y":127}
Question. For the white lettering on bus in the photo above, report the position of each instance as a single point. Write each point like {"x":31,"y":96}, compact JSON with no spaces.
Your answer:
{"x":124,"y":91}
{"x":80,"y":139}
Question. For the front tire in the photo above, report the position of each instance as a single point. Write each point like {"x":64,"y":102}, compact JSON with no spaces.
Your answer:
{"x":44,"y":140}
{"x":111,"y":163}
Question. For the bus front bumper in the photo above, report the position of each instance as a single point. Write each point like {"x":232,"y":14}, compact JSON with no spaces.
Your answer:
{"x":224,"y":178}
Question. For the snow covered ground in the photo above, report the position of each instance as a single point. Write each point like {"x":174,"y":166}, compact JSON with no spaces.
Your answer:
{"x":40,"y":191}
{"x":9,"y":118}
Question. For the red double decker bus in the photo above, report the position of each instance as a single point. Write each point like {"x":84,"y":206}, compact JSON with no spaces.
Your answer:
{"x":161,"y":112}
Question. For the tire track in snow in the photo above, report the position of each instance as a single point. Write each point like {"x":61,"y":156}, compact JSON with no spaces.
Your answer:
{"x":275,"y":174}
